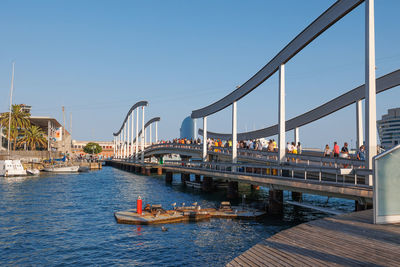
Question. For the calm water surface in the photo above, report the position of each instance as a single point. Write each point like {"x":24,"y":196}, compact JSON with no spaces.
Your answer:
{"x":69,"y":219}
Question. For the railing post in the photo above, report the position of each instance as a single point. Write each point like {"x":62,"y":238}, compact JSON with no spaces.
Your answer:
{"x":204,"y":139}
{"x":281,"y":116}
{"x":370,"y":86}
{"x":234,"y":135}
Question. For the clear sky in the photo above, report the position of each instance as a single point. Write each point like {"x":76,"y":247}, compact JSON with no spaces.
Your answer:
{"x":97,"y":58}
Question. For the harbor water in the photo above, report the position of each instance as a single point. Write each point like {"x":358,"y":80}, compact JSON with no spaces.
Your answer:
{"x":68,"y":219}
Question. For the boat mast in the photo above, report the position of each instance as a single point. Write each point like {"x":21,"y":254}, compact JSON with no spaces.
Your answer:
{"x":9,"y":117}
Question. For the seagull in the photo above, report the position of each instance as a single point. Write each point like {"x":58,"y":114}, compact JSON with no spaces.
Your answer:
{"x":164,"y":229}
{"x":174,"y":204}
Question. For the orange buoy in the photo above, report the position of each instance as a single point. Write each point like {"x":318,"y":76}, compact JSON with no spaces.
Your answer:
{"x":139,"y":206}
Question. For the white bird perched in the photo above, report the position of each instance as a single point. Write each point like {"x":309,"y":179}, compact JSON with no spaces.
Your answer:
{"x":174,"y":204}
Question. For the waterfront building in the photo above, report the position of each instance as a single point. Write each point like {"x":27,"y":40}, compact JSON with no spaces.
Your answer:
{"x":107,"y":148}
{"x":188,"y":128}
{"x":389,"y":128}
{"x":59,"y":139}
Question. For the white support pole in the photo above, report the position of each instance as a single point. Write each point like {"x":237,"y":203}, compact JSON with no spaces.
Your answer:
{"x":150,"y":134}
{"x":359,"y":126}
{"x":195,"y":129}
{"x":118,"y":146}
{"x":281,"y":116}
{"x":129,"y":137}
{"x":124,"y":140}
{"x":143,"y":135}
{"x":132,"y":121}
{"x":114,"y":146}
{"x":156,"y":132}
{"x":205,"y":139}
{"x":137,"y":136}
{"x":234,"y":134}
{"x":296,"y":135}
{"x":370,"y":86}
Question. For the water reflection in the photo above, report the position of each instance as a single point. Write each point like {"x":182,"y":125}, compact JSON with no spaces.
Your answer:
{"x":69,"y":220}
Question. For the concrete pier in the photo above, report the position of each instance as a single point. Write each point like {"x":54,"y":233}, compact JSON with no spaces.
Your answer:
{"x":232,"y":191}
{"x":275,"y":202}
{"x":168,"y":177}
{"x":207,"y":184}
{"x":185,"y":177}
{"x":297,"y":196}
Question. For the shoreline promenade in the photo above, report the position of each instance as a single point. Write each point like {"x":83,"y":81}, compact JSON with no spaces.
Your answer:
{"x":345,"y":240}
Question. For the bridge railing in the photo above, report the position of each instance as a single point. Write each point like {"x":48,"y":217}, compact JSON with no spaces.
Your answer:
{"x":320,"y":174}
{"x":267,"y":156}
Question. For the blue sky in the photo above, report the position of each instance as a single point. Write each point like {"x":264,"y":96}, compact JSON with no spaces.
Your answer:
{"x":97,"y":58}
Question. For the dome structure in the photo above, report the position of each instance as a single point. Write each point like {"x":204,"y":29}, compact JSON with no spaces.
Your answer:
{"x":188,"y":128}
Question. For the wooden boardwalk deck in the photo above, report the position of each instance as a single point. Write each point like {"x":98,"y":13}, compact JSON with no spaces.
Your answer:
{"x":344,"y":240}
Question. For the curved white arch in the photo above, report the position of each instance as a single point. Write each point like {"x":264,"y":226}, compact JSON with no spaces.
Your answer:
{"x":155,"y":119}
{"x":138,"y":104}
{"x":333,"y":14}
{"x":383,"y":83}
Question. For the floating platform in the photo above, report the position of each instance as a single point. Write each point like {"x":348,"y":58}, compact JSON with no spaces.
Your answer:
{"x":171,"y":216}
{"x":186,"y":214}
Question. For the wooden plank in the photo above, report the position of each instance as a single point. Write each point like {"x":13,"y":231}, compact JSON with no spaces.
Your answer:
{"x":349,"y":239}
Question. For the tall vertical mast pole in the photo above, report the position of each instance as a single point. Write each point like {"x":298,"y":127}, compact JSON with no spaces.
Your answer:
{"x":63,"y":137}
{"x":48,"y":135}
{"x":10,"y":115}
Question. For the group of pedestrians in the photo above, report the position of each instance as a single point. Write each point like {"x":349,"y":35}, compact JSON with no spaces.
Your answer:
{"x":336,"y":152}
{"x":292,"y":148}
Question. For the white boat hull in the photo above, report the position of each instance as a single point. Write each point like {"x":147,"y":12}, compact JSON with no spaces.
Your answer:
{"x":11,"y":168}
{"x":33,"y":171}
{"x":62,"y":169}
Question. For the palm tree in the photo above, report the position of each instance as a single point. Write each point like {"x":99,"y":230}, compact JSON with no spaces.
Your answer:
{"x":19,"y":118}
{"x":33,"y":136}
{"x":13,"y":135}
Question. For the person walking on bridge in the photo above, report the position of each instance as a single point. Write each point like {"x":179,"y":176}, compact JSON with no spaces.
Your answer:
{"x":336,"y":150}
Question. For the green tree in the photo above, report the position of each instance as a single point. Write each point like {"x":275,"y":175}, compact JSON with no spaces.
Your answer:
{"x":33,"y":137}
{"x":19,"y":121}
{"x":13,"y":136}
{"x":19,"y":118}
{"x":92,"y":148}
